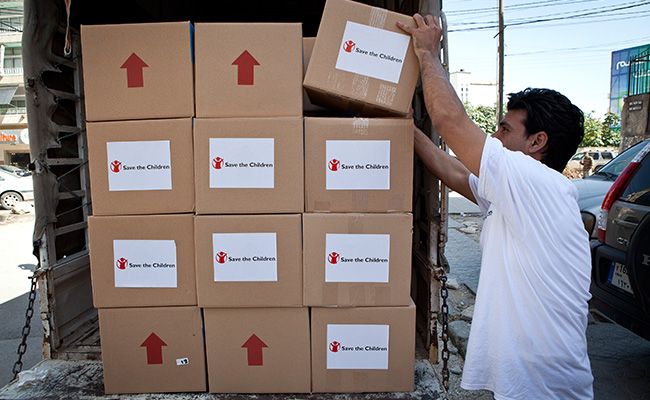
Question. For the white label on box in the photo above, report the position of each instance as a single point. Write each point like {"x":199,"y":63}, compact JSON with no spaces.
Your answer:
{"x":357,"y":258}
{"x":372,"y":52}
{"x":242,"y":163}
{"x":357,"y":165}
{"x":245,"y":257}
{"x":357,"y":346}
{"x":145,"y":263}
{"x":182,"y":361}
{"x":139,"y":165}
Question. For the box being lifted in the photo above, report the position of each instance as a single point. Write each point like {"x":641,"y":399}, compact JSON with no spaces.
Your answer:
{"x":362,"y":62}
{"x":138,"y":71}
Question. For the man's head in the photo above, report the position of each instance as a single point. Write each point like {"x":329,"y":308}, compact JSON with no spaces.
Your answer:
{"x":554,"y":127}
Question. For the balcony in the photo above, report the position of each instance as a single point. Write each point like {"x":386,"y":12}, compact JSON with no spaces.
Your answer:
{"x":12,"y":71}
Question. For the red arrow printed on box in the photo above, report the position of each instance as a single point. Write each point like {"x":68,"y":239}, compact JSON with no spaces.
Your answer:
{"x":134,"y":75}
{"x":245,"y":68}
{"x":254,"y":346}
{"x":154,"y":346}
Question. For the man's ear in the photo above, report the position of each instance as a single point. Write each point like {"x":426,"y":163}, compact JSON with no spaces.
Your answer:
{"x":537,"y":143}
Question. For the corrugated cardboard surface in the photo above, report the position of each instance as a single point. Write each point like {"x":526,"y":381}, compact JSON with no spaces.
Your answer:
{"x":347,"y":91}
{"x":276,"y":68}
{"x":166,"y":88}
{"x":307,"y":48}
{"x":281,"y":354}
{"x":177,"y":200}
{"x":399,"y":377}
{"x":318,"y":292}
{"x":129,"y":352}
{"x":400,"y":134}
{"x":285,"y":292}
{"x":287,"y":194}
{"x":103,"y":230}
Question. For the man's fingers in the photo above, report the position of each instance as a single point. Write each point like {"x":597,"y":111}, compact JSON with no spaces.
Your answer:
{"x":430,"y":20}
{"x":419,"y":21}
{"x":404,"y":27}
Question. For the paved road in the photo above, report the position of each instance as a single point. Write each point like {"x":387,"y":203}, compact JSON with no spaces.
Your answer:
{"x":17,"y":264}
{"x":620,"y":360}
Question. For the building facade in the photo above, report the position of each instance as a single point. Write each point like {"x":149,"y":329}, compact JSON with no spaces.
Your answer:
{"x":475,"y":92}
{"x":14,"y":139}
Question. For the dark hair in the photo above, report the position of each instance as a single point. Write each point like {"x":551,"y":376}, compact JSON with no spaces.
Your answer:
{"x":551,"y":112}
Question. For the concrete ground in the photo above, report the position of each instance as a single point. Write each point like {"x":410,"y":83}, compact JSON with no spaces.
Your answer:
{"x":17,"y":264}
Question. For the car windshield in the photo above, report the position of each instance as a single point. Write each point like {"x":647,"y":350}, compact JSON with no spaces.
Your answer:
{"x":614,"y":168}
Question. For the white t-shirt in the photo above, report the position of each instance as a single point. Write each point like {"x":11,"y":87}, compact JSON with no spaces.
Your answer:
{"x":527,"y":339}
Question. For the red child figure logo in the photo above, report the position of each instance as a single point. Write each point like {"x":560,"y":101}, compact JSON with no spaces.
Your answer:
{"x":334,"y":165}
{"x":217,"y":163}
{"x":335,"y":346}
{"x":115,"y":166}
{"x":121,"y":263}
{"x":221,"y":257}
{"x":349,"y":46}
{"x":333,"y":257}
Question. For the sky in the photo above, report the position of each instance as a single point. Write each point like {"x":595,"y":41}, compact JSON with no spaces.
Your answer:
{"x":569,"y":50}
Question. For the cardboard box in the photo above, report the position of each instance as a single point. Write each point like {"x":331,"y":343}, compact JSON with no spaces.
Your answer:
{"x":362,"y":62}
{"x":249,"y":260}
{"x":357,"y":259}
{"x":249,"y":165}
{"x":138,"y":71}
{"x":152,"y":350}
{"x":140,"y":261}
{"x":248,"y":70}
{"x":255,"y":350}
{"x":358,"y":164}
{"x":307,"y":48}
{"x":141,"y":167}
{"x":363,"y":349}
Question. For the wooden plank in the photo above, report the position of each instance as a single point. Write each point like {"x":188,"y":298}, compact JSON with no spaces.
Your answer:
{"x":71,"y":228}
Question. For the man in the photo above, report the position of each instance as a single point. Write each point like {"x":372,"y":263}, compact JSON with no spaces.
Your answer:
{"x":587,"y":162}
{"x":527,"y":339}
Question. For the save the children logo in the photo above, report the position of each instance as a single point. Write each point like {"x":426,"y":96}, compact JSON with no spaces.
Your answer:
{"x":333,"y":257}
{"x":221,"y":257}
{"x":121,"y":263}
{"x":334,"y":164}
{"x":217,"y":163}
{"x":336,"y":347}
{"x":115,"y":166}
{"x":348,"y":46}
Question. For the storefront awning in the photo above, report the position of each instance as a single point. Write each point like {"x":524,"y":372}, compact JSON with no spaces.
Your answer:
{"x":7,"y":93}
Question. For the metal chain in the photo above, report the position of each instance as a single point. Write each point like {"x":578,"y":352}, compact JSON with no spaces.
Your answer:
{"x":444,"y":293}
{"x":22,"y":349}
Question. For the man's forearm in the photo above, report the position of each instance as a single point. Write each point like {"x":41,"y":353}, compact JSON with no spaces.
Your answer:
{"x":446,"y":168}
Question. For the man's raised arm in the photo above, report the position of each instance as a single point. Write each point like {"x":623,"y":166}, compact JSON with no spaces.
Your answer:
{"x":445,"y":108}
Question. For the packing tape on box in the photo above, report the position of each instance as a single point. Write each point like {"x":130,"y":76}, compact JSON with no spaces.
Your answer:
{"x":361,"y":200}
{"x":360,"y":126}
{"x":386,"y":94}
{"x":378,"y":17}
{"x":355,"y":225}
{"x":360,"y":84}
{"x":396,"y":203}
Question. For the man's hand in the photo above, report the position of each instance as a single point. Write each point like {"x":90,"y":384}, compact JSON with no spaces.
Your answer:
{"x":426,"y":37}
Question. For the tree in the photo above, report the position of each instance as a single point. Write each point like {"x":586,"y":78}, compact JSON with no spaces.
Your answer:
{"x":485,"y":117}
{"x":601,"y":133}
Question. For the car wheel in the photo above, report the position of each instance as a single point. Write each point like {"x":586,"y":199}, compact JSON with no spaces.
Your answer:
{"x":10,"y":199}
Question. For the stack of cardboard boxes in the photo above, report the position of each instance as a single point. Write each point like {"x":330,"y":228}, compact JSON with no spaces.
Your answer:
{"x":224,"y":219}
{"x":139,"y":108}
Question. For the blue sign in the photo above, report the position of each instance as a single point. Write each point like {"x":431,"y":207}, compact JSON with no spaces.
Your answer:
{"x":621,"y":75}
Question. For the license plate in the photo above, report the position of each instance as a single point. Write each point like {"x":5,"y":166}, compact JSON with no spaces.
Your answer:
{"x":619,"y":278}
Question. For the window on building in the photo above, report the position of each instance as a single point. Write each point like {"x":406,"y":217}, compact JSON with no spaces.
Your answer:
{"x":12,"y":24}
{"x":13,"y":57}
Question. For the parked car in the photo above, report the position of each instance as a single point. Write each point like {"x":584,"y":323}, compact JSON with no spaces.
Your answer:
{"x":14,"y":189}
{"x":15,"y":170}
{"x":620,"y":282}
{"x":592,"y":190}
{"x":601,"y":157}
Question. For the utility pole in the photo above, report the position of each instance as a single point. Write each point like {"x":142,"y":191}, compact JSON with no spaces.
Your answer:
{"x":501,"y":57}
